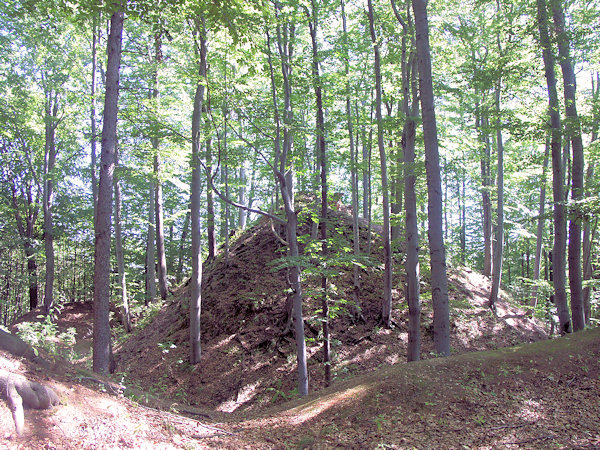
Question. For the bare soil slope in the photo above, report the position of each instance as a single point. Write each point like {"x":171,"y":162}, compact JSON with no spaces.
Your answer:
{"x":540,"y":395}
{"x":248,"y":354}
{"x":238,"y":396}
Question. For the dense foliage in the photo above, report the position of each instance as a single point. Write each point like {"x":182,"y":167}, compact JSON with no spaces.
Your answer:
{"x":481,"y":51}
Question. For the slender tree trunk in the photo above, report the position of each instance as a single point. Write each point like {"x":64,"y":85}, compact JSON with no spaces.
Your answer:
{"x":31,"y":275}
{"x":540,"y":232}
{"x":26,"y":226}
{"x":486,"y":202}
{"x":225,"y":173}
{"x":291,"y":234}
{"x":49,"y":165}
{"x":412,"y":231}
{"x":160,"y":231}
{"x":558,"y":252}
{"x":588,"y":231}
{"x":322,"y":158}
{"x":196,"y":280}
{"x":182,"y":241}
{"x":94,"y":163}
{"x":285,"y":40}
{"x":386,"y":310}
{"x":150,"y":248}
{"x":242,"y":213}
{"x":588,"y":238}
{"x":210,"y":207}
{"x":158,"y":196}
{"x":102,"y":349}
{"x":353,"y":175}
{"x":577,"y":191}
{"x":499,"y":238}
{"x":366,"y":162}
{"x":125,"y":316}
{"x":439,"y":280}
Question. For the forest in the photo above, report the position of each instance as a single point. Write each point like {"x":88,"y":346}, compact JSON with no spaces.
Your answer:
{"x":383,"y":150}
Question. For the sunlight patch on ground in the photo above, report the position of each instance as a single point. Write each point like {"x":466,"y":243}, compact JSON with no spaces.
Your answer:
{"x":222,"y":342}
{"x":312,"y":409}
{"x":392,"y":359}
{"x":242,"y":396}
{"x":532,"y":411}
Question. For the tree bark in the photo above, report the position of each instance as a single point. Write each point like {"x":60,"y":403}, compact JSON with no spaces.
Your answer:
{"x":125,"y":316}
{"x":437,"y":252}
{"x":26,"y":228}
{"x":486,"y":203}
{"x":499,"y":238}
{"x":577,"y":191}
{"x":182,"y":241}
{"x":196,"y":280}
{"x":412,"y":231}
{"x":242,"y":214}
{"x":158,"y":196}
{"x":353,"y":175}
{"x":151,"y":247}
{"x":558,"y":251}
{"x":386,"y":309}
{"x":49,"y":174}
{"x":102,"y":350}
{"x":93,"y":138}
{"x":291,"y":228}
{"x":210,"y":207}
{"x":540,"y":232}
{"x":322,"y":158}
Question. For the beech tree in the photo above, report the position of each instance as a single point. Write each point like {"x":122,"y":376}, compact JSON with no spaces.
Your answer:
{"x":558,"y":252}
{"x":196,"y":279}
{"x":574,"y":132}
{"x":437,"y":252}
{"x":386,"y":311}
{"x":102,"y":349}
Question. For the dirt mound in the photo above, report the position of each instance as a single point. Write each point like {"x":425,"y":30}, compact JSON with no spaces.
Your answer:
{"x":541,"y":395}
{"x":248,"y":356}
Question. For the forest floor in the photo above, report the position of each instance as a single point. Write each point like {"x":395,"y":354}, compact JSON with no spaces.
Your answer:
{"x":497,"y":390}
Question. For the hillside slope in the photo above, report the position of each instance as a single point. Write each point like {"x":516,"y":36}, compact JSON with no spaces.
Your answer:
{"x":248,"y":354}
{"x":540,"y":395}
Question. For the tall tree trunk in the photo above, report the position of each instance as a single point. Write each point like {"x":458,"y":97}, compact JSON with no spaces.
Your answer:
{"x":125,"y":316}
{"x":158,"y":196}
{"x":588,"y":232}
{"x":93,"y":138}
{"x":26,"y":227}
{"x":242,"y":213}
{"x":295,"y":282}
{"x":353,"y":175}
{"x":225,"y":172}
{"x":210,"y":207}
{"x":285,"y":40}
{"x":196,"y":280}
{"x":540,"y":232}
{"x":151,"y":247}
{"x":558,"y":252}
{"x":386,"y":310}
{"x":577,"y":191}
{"x":313,"y":22}
{"x":182,"y":241}
{"x":439,"y":280}
{"x":102,"y":349}
{"x":49,"y":165}
{"x":412,"y":231}
{"x":499,"y":238}
{"x":366,"y":176}
{"x":481,"y":124}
